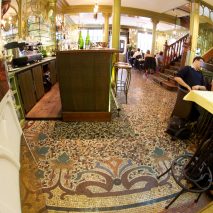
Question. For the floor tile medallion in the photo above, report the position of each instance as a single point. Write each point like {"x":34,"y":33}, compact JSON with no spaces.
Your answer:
{"x":112,"y":166}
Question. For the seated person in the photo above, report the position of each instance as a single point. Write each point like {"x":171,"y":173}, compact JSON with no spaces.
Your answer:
{"x":189,"y":78}
{"x":135,"y":56}
{"x":149,"y":63}
{"x":131,"y":59}
{"x":137,"y":61}
{"x":159,"y":60}
{"x":138,"y":52}
{"x":143,"y":54}
{"x":148,"y":54}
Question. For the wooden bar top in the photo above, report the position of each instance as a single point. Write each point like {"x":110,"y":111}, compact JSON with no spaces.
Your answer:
{"x":104,"y":50}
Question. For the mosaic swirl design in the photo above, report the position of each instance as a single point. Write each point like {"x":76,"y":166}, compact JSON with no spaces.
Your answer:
{"x":111,"y":166}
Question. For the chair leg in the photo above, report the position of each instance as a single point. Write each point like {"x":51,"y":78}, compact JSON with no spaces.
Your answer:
{"x":126,"y":98}
{"x":158,"y":177}
{"x":198,"y":197}
{"x":176,"y":197}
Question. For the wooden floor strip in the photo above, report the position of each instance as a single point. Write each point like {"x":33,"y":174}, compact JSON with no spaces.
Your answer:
{"x":49,"y":106}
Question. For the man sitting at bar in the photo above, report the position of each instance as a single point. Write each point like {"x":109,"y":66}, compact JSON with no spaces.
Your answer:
{"x":189,"y":78}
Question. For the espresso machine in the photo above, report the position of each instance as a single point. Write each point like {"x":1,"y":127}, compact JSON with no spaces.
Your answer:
{"x":19,"y":54}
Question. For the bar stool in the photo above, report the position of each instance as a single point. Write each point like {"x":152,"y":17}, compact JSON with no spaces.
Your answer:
{"x":192,"y":172}
{"x":122,"y":78}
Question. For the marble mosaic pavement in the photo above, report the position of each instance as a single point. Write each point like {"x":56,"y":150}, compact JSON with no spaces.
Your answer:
{"x":112,"y":166}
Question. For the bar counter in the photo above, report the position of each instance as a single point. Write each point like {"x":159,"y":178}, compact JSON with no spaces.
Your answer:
{"x":23,"y":68}
{"x":84,"y":82}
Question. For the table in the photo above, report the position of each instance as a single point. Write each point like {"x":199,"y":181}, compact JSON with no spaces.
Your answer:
{"x":205,"y":100}
{"x":193,"y":172}
{"x":202,"y":98}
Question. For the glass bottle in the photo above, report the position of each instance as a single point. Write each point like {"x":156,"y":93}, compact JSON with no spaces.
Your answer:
{"x":87,"y":42}
{"x":80,"y":41}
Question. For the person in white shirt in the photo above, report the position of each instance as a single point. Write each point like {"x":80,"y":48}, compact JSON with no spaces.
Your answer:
{"x":138,"y":52}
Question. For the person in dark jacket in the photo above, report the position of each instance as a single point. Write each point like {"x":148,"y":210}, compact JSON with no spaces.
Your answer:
{"x":189,"y":78}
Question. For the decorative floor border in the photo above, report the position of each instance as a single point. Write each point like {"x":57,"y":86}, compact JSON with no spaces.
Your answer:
{"x":113,"y":208}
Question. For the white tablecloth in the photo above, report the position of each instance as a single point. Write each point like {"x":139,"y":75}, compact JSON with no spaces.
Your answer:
{"x":202,"y":98}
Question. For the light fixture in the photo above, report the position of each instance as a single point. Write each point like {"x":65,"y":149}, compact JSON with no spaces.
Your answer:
{"x":174,"y":32}
{"x":59,"y":20}
{"x":95,"y":10}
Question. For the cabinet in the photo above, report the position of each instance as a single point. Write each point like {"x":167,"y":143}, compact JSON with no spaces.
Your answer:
{"x":53,"y":73}
{"x":16,"y":99}
{"x":26,"y":86}
{"x":30,"y":83}
{"x":38,"y":81}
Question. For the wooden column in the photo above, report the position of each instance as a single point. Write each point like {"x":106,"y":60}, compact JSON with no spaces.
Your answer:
{"x":194,"y":27}
{"x":116,"y":24}
{"x":155,"y":22}
{"x":106,"y":27}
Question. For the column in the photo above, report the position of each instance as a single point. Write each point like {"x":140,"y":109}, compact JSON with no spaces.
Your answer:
{"x":116,"y":24}
{"x":154,"y":22}
{"x":19,"y":2}
{"x":1,"y":43}
{"x":106,"y":27}
{"x":194,"y":27}
{"x":52,"y":6}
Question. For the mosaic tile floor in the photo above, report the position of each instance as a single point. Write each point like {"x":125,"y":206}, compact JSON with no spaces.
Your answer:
{"x":112,"y":166}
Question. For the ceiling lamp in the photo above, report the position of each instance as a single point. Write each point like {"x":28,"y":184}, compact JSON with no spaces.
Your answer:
{"x":95,"y":10}
{"x":174,"y":31}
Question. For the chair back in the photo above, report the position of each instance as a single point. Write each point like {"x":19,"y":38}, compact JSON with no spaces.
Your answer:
{"x":150,"y":63}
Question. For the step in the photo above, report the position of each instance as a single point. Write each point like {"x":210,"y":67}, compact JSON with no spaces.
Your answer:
{"x":170,"y":72}
{"x":167,"y":77}
{"x":174,"y":68}
{"x":170,"y":86}
{"x":177,"y":63}
{"x":157,"y":79}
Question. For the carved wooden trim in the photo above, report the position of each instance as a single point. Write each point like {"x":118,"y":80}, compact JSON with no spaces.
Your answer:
{"x":5,"y":6}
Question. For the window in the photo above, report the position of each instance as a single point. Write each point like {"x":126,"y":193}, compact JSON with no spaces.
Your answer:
{"x":96,"y":35}
{"x":144,"y":41}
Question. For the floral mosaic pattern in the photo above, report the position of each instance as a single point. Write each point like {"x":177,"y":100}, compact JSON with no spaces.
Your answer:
{"x":111,"y":166}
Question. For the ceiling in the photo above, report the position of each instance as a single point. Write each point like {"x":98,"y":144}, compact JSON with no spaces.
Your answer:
{"x":141,"y":22}
{"x":152,"y":5}
{"x":177,"y":8}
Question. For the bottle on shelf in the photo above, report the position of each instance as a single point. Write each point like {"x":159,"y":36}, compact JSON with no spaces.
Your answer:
{"x":80,"y":41}
{"x":87,"y":42}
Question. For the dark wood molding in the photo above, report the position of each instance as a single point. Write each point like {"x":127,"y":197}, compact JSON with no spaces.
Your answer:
{"x":86,"y":116}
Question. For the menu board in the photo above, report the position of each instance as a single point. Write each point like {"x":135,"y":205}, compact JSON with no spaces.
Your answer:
{"x":4,"y":86}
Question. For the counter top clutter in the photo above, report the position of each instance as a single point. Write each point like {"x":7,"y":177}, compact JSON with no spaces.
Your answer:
{"x":84,"y":82}
{"x":19,"y":69}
